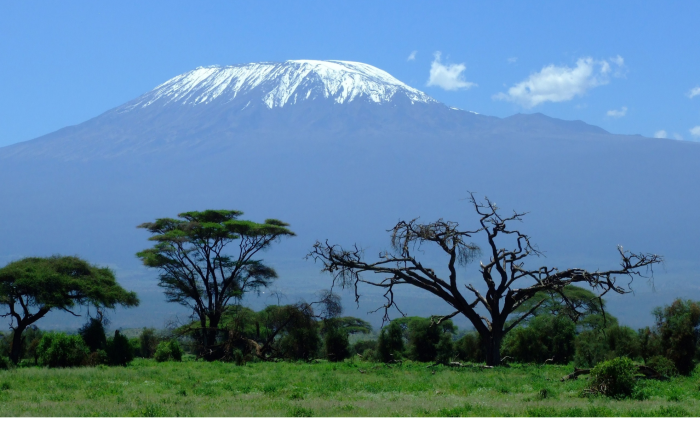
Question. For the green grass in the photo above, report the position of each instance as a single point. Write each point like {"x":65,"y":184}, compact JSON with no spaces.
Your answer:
{"x":150,"y":389}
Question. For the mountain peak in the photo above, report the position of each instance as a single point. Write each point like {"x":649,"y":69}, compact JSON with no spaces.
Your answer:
{"x":280,"y":84}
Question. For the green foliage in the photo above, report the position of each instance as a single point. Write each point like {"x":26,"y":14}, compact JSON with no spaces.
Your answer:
{"x":390,"y":343}
{"x":421,"y":337}
{"x":677,"y":332}
{"x":335,"y":340}
{"x":578,"y":304}
{"x":62,"y":282}
{"x":445,"y":349}
{"x":544,"y":337}
{"x":119,"y":350}
{"x":168,"y":350}
{"x":351,"y":325}
{"x":595,"y":346}
{"x":93,"y":333}
{"x":299,"y":338}
{"x":470,"y":348}
{"x":32,"y":337}
{"x":62,"y":350}
{"x":662,"y":365}
{"x":360,"y":347}
{"x":614,"y":378}
{"x":5,"y":363}
{"x":97,"y":358}
{"x":148,"y":342}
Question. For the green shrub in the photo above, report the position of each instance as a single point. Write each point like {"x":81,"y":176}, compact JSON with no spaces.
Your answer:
{"x":61,"y":350}
{"x":614,"y":378}
{"x":148,"y":342}
{"x":470,"y":348}
{"x":677,"y":332}
{"x":238,"y":357}
{"x":93,"y":333}
{"x":662,"y":365}
{"x":445,"y":350}
{"x":97,"y":358}
{"x":5,"y":363}
{"x":335,"y":341}
{"x":390,"y":343}
{"x":361,"y":346}
{"x":543,"y":338}
{"x":369,"y":355}
{"x":119,"y":350}
{"x":593,"y":347}
{"x":168,"y":351}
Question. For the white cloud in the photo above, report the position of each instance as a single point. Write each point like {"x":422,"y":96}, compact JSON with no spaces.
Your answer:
{"x":412,"y":56}
{"x":661,"y":134}
{"x":559,"y":84}
{"x":512,"y":59}
{"x":677,"y":136}
{"x":694,"y":92}
{"x":695,"y":131}
{"x":618,"y":60}
{"x":447,"y":76}
{"x":618,"y":113}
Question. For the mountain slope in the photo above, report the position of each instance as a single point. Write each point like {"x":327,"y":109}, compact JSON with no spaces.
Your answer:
{"x":345,"y":164}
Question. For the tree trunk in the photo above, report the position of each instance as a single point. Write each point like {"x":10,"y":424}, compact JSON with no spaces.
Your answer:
{"x":16,"y":348}
{"x":493,"y":349}
{"x":209,"y":337}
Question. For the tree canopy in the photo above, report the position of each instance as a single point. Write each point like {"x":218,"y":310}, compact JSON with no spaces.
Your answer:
{"x":206,"y":259}
{"x":32,"y":287}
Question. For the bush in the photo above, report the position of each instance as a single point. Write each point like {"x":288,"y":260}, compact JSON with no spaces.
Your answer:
{"x":470,"y":348}
{"x":369,"y":355}
{"x":61,"y":350}
{"x":119,"y":350}
{"x":677,"y":328}
{"x":336,"y":344}
{"x":593,"y":347}
{"x":390,"y":343}
{"x":93,"y":333}
{"x":662,"y":365}
{"x":614,"y":378}
{"x":445,"y":350}
{"x":360,"y":347}
{"x":97,"y":358}
{"x":544,"y":337}
{"x":148,"y":342}
{"x":168,"y":351}
{"x":5,"y":363}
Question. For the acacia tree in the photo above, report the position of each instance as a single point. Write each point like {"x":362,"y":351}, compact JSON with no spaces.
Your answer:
{"x":30,"y":288}
{"x":196,"y":270}
{"x":508,"y":284}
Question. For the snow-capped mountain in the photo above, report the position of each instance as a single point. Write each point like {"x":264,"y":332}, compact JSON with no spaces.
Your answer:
{"x":212,"y":108}
{"x":280,"y":84}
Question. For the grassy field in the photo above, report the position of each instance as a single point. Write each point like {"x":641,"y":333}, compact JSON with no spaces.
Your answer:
{"x":147,"y":388}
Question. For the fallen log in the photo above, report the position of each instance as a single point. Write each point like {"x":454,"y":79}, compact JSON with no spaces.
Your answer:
{"x":575,"y":374}
{"x":650,"y":373}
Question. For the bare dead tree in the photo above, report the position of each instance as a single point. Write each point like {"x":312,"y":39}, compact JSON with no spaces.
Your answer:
{"x":508,"y":283}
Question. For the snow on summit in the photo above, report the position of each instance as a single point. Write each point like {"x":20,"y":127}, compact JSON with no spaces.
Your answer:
{"x":279,"y":84}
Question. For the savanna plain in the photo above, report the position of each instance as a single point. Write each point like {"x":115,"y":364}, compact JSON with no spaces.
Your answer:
{"x":320,"y":388}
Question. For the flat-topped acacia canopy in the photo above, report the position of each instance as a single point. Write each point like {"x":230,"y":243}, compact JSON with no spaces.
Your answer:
{"x":32,"y":287}
{"x":196,"y":269}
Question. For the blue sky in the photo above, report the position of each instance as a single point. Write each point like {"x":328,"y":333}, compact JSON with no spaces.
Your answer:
{"x":627,"y":66}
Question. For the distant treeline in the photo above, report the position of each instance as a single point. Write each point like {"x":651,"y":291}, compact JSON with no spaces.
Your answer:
{"x":300,"y":332}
